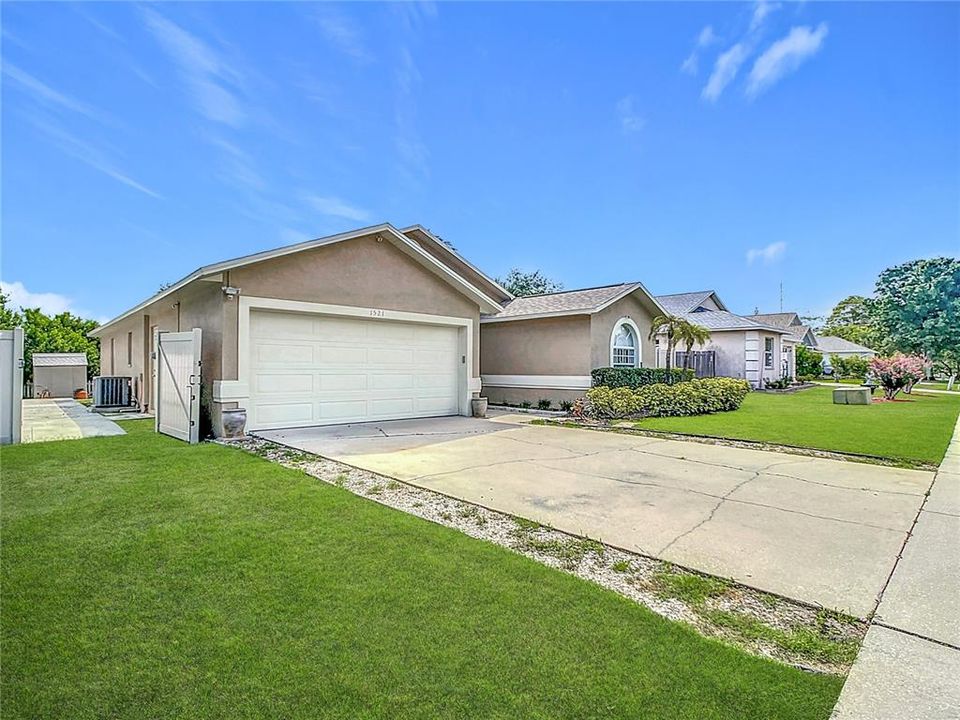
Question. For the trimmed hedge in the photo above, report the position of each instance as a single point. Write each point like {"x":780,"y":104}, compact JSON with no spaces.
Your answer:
{"x":612,"y":377}
{"x":695,"y":397}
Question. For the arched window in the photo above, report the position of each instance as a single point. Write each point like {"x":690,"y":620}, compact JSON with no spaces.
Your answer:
{"x":625,"y":344}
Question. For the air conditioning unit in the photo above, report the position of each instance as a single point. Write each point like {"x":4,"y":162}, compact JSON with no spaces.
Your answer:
{"x":112,"y":392}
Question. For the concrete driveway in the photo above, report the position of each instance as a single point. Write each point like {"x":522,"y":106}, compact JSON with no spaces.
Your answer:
{"x":822,"y":531}
{"x":48,"y":419}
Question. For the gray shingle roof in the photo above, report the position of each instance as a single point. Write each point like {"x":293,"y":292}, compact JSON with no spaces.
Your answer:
{"x":722,"y":320}
{"x":781,"y":319}
{"x":59,"y":359}
{"x":681,"y":303}
{"x":829,"y":344}
{"x":798,"y":332}
{"x":569,"y":302}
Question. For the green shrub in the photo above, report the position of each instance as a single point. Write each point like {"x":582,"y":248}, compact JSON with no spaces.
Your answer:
{"x":566,"y":405}
{"x":855,"y":367}
{"x":693,"y":397}
{"x":809,"y":362}
{"x":637,"y":377}
{"x":543,"y":404}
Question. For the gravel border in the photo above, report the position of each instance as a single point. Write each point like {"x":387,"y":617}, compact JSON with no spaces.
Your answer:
{"x":631,"y":575}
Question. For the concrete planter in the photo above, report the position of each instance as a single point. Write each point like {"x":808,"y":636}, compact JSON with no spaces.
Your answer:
{"x":234,"y":422}
{"x":479,"y":407}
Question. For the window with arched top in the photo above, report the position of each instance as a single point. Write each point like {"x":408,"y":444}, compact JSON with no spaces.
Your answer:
{"x":625,"y":344}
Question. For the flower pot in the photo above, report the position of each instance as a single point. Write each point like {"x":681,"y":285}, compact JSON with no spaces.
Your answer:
{"x":233,"y":422}
{"x":479,"y":407}
{"x":79,"y":394}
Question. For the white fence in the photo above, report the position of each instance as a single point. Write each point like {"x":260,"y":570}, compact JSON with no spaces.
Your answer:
{"x":11,"y":379}
{"x":30,"y":391}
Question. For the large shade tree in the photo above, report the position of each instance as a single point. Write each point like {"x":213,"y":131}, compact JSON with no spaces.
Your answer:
{"x":855,"y":319}
{"x":521,"y":283}
{"x":917,"y":305}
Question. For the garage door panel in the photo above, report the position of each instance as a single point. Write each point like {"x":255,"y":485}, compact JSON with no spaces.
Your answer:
{"x":288,"y":413}
{"x":390,"y":357}
{"x":272,"y":383}
{"x":342,"y":355}
{"x":341,"y":410}
{"x":281,"y":325}
{"x":392,"y":382}
{"x":316,"y":369}
{"x":270,"y":353}
{"x":340,"y":383}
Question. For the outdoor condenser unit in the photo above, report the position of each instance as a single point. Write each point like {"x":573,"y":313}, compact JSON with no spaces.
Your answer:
{"x":111,"y":391}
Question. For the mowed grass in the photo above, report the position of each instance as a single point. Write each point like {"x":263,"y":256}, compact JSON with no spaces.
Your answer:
{"x":915,"y":431}
{"x":145,"y":578}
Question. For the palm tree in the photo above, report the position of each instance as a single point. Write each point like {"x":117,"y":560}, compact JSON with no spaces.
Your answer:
{"x":666,"y":325}
{"x":690,"y":334}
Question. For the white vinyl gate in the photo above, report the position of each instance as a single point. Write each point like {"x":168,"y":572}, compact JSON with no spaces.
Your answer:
{"x":176,"y":384}
{"x":11,"y":385}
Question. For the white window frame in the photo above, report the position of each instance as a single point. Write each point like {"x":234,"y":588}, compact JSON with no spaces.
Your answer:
{"x":637,"y":361}
{"x":768,"y":354}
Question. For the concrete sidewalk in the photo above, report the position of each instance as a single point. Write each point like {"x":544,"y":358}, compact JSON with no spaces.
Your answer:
{"x":909,"y":666}
{"x":48,"y":419}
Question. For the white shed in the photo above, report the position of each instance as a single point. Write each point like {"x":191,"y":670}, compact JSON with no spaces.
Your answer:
{"x":59,"y":375}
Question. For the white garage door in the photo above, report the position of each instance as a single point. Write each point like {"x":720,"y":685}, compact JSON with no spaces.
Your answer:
{"x":319,"y":370}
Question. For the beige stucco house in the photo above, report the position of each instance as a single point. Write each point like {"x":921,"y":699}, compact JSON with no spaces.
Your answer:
{"x":373,"y":324}
{"x":743,"y":346}
{"x":544,"y":346}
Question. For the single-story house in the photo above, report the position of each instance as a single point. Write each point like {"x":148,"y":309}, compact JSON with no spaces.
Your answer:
{"x":59,"y":375}
{"x":830,"y":345}
{"x":799,"y":334}
{"x":544,"y":346}
{"x":742,"y":347}
{"x":372,"y":324}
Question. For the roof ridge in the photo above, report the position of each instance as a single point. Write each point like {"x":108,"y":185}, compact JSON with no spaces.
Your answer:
{"x":573,"y":290}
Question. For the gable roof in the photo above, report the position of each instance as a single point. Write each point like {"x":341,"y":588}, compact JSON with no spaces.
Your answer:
{"x":780,"y":319}
{"x":567,"y":302}
{"x":802,"y":334}
{"x":492,"y":287}
{"x":59,"y":360}
{"x":682,"y":303}
{"x":384,"y":230}
{"x":831,"y":344}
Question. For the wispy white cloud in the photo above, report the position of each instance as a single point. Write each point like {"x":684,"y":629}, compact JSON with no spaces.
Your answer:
{"x":47,"y":95}
{"x":336,"y":207}
{"x":706,"y":38}
{"x":90,"y":155}
{"x":409,"y":144}
{"x":211,"y":81}
{"x":784,"y":56}
{"x":631,"y":121}
{"x":724,"y":71}
{"x":342,"y":33}
{"x":761,"y":10}
{"x":767,"y":255}
{"x":50,"y":303}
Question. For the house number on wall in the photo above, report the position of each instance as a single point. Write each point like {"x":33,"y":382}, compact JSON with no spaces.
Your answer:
{"x":378,"y":313}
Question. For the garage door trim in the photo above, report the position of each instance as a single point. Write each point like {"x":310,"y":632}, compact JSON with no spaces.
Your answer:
{"x":239,"y":390}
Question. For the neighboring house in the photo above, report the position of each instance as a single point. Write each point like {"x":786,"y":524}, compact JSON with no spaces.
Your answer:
{"x":799,"y":334}
{"x":829,"y":345}
{"x":373,"y":324}
{"x":741,"y":347}
{"x":544,"y":346}
{"x":59,"y":375}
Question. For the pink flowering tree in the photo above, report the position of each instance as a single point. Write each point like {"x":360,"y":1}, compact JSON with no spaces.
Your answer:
{"x":898,"y":372}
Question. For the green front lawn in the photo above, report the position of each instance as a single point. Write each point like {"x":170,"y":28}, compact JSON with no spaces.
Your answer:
{"x":145,"y":578}
{"x":914,"y":431}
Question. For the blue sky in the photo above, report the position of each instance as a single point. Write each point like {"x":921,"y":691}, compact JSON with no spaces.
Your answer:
{"x":689,"y":145}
